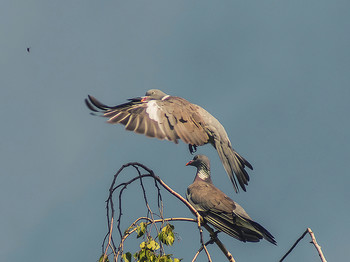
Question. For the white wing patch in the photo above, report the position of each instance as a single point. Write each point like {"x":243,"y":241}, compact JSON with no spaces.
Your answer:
{"x":153,"y":110}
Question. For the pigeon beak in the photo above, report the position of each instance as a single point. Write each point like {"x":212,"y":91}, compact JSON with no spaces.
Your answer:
{"x":189,"y":163}
{"x":144,"y":99}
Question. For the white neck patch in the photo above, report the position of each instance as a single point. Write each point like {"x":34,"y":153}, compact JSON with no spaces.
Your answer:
{"x":165,"y":97}
{"x":202,"y":174}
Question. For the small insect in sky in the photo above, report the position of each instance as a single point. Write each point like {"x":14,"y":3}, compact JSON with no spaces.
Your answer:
{"x":28,"y":49}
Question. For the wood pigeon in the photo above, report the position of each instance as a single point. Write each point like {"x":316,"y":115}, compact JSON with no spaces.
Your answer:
{"x":218,"y":209}
{"x":170,"y":117}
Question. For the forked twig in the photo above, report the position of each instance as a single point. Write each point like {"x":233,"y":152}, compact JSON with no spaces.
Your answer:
{"x":318,"y":248}
{"x":109,"y":242}
{"x":219,"y":243}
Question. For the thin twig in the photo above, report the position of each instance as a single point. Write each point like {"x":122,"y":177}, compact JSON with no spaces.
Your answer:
{"x":317,"y":246}
{"x":201,"y":249}
{"x":110,"y":204}
{"x":149,"y":212}
{"x":105,"y":256}
{"x":296,"y":243}
{"x":203,"y":244}
{"x":219,"y":243}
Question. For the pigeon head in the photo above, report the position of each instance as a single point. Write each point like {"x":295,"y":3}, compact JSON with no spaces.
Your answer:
{"x":154,"y":94}
{"x":203,"y":166}
{"x":199,"y":160}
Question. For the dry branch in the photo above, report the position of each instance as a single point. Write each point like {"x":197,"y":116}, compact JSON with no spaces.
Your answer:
{"x":151,"y":220}
{"x":318,"y":248}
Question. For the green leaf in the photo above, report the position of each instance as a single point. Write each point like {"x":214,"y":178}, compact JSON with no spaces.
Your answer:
{"x":165,"y":258}
{"x":142,"y":255}
{"x":141,"y":229}
{"x":152,"y":245}
{"x":101,"y":258}
{"x":127,"y":257}
{"x":166,"y":236}
{"x":142,"y":245}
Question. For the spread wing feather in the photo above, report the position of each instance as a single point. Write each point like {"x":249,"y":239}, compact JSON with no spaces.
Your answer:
{"x":172,"y":119}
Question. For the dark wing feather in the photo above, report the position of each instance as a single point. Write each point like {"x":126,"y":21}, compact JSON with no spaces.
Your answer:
{"x":224,"y":214}
{"x":267,"y":235}
{"x":232,"y":229}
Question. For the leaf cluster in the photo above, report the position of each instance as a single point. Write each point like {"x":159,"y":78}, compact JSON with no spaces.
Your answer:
{"x":150,"y":248}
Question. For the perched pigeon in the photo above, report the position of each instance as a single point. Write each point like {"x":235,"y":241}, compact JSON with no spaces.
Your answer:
{"x":170,"y":117}
{"x":218,"y":209}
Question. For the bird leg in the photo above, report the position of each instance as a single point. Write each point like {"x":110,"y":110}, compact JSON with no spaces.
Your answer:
{"x":192,"y":148}
{"x":213,"y":237}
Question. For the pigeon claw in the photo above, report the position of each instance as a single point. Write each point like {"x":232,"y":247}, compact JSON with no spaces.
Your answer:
{"x":213,"y":237}
{"x":192,"y":148}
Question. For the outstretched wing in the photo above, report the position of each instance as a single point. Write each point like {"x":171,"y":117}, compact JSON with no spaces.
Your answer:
{"x":172,"y":118}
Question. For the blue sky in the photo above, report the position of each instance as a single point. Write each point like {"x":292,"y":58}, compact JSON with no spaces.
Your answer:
{"x":275,"y":73}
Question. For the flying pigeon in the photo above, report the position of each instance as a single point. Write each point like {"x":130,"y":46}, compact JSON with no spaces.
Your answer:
{"x":219,"y":210}
{"x":170,"y":117}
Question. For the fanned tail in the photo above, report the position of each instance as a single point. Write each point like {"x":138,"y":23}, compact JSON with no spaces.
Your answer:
{"x":234,"y":164}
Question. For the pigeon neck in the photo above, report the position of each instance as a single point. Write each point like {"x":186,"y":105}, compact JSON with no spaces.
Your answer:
{"x":203,"y":173}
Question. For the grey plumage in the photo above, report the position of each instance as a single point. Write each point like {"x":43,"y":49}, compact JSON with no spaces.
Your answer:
{"x":169,"y":117}
{"x":219,"y":210}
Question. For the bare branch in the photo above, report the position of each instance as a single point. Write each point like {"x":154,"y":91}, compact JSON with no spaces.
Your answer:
{"x":109,"y":242}
{"x":202,"y":242}
{"x":201,"y":248}
{"x":151,"y":219}
{"x":219,"y":243}
{"x":296,"y":243}
{"x":318,"y":248}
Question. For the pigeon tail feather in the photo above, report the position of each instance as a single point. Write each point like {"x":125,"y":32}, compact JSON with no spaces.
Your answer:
{"x":233,"y":164}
